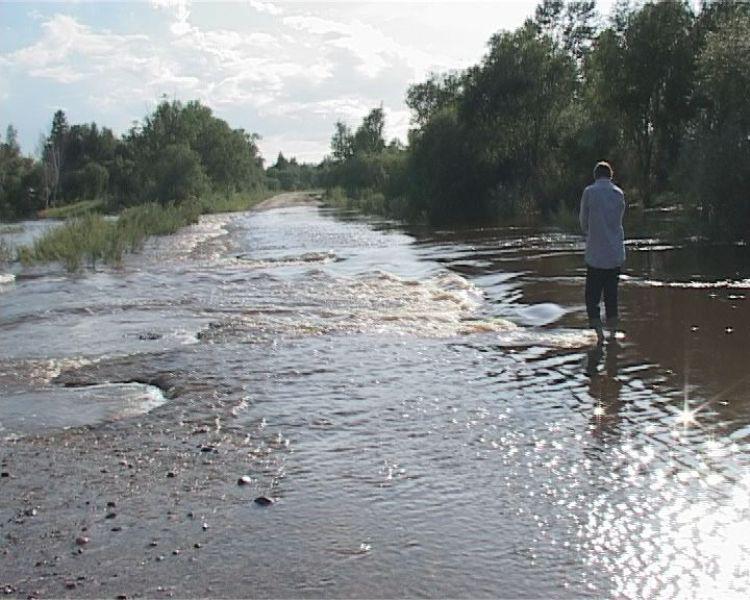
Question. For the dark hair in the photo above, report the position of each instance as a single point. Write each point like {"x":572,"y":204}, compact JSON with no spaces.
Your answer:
{"x":603,"y":169}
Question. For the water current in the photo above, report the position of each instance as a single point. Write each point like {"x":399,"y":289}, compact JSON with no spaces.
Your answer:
{"x":427,"y":409}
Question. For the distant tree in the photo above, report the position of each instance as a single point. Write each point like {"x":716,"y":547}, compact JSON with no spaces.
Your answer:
{"x":369,"y":135}
{"x":342,"y":142}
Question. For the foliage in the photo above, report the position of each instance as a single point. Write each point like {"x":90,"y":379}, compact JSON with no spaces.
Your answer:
{"x":290,"y":175}
{"x":658,"y":90}
{"x":176,"y":154}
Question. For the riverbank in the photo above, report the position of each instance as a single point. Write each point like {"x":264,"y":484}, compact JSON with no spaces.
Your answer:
{"x":89,"y":238}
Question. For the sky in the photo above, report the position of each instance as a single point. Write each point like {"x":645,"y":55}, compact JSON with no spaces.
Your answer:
{"x":284,"y":70}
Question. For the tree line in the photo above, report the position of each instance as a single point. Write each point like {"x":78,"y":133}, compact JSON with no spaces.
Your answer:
{"x":658,"y":89}
{"x":177,"y":153}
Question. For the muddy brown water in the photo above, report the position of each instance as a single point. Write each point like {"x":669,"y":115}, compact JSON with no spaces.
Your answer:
{"x":426,"y":409}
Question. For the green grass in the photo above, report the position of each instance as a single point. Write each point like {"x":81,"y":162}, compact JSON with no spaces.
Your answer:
{"x":90,"y":238}
{"x":7,"y":253}
{"x":79,"y":209}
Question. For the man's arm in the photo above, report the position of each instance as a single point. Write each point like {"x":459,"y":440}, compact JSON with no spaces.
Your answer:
{"x":583,"y":215}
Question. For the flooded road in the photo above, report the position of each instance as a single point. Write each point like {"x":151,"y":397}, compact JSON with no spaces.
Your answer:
{"x":426,"y":410}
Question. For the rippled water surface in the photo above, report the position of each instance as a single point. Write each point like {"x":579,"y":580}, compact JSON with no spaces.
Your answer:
{"x":427,"y":408}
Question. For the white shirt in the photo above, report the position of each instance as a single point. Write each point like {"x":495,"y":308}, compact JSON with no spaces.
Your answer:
{"x":602,"y":209}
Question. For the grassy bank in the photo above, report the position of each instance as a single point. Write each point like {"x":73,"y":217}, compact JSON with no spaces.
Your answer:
{"x":88,"y":238}
{"x":69,"y":211}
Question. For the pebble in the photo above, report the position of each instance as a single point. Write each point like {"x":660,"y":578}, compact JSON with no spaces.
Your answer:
{"x":71,"y":585}
{"x":111,"y":515}
{"x":82,"y":540}
{"x":176,"y":551}
{"x":171,"y":474}
{"x":264,"y":501}
{"x":160,"y":558}
{"x":111,"y":504}
{"x":204,"y":526}
{"x":5,"y":474}
{"x":30,"y":512}
{"x":154,"y":544}
{"x":197,"y":545}
{"x":244,"y":480}
{"x":116,"y":529}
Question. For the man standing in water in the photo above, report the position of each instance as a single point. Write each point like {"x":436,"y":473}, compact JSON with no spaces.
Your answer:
{"x":602,"y":209}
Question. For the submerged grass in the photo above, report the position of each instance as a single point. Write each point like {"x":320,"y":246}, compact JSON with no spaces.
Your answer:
{"x":90,"y":238}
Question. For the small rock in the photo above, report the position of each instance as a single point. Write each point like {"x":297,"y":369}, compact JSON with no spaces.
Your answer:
{"x":176,"y":551}
{"x":264,"y":501}
{"x":116,"y":529}
{"x":208,"y":449}
{"x":204,"y":526}
{"x":111,"y":515}
{"x":30,"y":512}
{"x":82,"y":540}
{"x":5,"y":474}
{"x":160,"y":558}
{"x":171,"y":474}
{"x":71,"y":585}
{"x":122,"y":597}
{"x":154,"y":543}
{"x":8,"y":589}
{"x":111,"y":504}
{"x":197,"y":545}
{"x":244,"y":480}
{"x":149,"y":336}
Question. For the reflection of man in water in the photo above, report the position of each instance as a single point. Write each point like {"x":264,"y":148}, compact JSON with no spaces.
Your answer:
{"x":602,"y":209}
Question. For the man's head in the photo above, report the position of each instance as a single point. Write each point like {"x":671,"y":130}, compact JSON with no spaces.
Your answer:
{"x":602,"y":170}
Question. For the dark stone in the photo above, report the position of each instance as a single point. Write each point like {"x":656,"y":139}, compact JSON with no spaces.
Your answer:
{"x":264,"y":501}
{"x":82,"y":540}
{"x":111,"y":515}
{"x":5,"y":474}
{"x":149,"y":336}
{"x":171,"y":474}
{"x":244,"y":480}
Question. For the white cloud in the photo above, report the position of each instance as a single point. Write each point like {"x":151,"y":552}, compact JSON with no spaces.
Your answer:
{"x":266,"y":7}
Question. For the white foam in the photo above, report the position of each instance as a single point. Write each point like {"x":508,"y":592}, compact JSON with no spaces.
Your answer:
{"x":7,"y":278}
{"x":723,"y":284}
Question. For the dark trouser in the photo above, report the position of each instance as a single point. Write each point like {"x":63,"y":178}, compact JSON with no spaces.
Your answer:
{"x":598,"y":281}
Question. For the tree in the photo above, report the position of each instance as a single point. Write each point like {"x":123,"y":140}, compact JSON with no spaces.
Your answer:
{"x":644,"y":75}
{"x":719,"y":161}
{"x":54,"y":155}
{"x":342,"y":142}
{"x":569,"y":24}
{"x":438,"y":92}
{"x":369,"y":136}
{"x":180,"y":175}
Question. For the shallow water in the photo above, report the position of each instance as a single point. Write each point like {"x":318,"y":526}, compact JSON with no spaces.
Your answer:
{"x":428,"y":406}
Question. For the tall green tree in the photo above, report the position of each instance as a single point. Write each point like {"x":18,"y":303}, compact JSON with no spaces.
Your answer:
{"x":644,"y":75}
